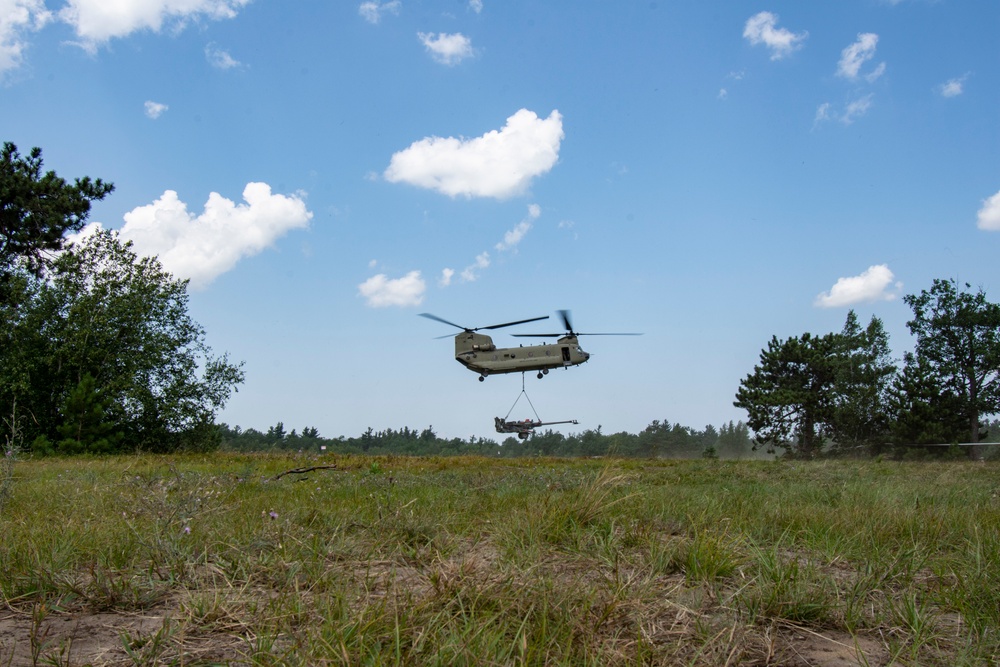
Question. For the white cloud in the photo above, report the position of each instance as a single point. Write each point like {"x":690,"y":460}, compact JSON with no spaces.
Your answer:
{"x":762,"y":28}
{"x":510,"y":241}
{"x":499,"y":164}
{"x":874,"y":284}
{"x":514,"y":236}
{"x":205,"y":246}
{"x":476,"y":5}
{"x":97,"y":21}
{"x":989,"y":214}
{"x":18,"y":17}
{"x":381,"y":291}
{"x":953,"y":87}
{"x":723,"y":94}
{"x":447,"y":49}
{"x":855,"y":55}
{"x":155,"y":109}
{"x":471,"y":272}
{"x":854,"y":110}
{"x":857,"y":108}
{"x":822,"y":114}
{"x":220,"y":58}
{"x":876,"y":73}
{"x":88,"y":230}
{"x":373,"y":11}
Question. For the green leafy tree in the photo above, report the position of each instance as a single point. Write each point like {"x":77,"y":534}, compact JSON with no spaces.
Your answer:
{"x":104,"y":312}
{"x":925,"y":410}
{"x":85,"y":428}
{"x":958,"y":342}
{"x":37,"y":210}
{"x":863,"y":374}
{"x":734,"y":440}
{"x":789,"y":397}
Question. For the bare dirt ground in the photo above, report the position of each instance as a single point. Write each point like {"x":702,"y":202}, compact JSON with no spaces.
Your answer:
{"x":118,"y":639}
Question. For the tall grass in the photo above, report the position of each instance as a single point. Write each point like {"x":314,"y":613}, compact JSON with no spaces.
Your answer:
{"x":393,"y":560}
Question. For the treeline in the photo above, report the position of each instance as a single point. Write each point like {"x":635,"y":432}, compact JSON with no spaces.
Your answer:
{"x":659,"y":439}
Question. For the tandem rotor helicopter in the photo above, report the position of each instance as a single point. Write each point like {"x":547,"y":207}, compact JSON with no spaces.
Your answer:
{"x":477,"y":352}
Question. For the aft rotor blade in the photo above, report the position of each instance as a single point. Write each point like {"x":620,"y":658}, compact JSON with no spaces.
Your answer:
{"x":572,"y":333}
{"x":470,"y":329}
{"x":510,"y":324}
{"x":444,"y":321}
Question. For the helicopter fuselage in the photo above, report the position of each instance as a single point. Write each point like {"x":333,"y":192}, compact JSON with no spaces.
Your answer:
{"x":478,"y":353}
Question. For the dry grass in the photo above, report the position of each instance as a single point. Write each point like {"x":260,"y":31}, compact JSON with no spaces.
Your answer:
{"x":212,"y":560}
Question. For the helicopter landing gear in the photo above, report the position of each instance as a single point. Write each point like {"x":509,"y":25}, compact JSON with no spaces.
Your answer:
{"x":482,"y":378}
{"x":544,"y":371}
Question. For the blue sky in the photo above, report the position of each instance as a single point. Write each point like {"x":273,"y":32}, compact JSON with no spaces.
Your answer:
{"x":709,"y":174}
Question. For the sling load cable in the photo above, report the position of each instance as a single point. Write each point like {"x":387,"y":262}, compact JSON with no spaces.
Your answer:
{"x":527,"y":398}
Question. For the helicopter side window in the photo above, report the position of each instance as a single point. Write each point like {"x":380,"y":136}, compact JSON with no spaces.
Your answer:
{"x":565,"y":353}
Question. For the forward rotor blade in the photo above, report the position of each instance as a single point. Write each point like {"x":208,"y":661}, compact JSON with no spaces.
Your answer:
{"x":564,"y":314}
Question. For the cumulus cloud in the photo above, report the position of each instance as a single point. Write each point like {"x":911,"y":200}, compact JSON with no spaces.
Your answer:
{"x":373,"y":11}
{"x":18,"y":17}
{"x":874,"y":284}
{"x":857,"y":54}
{"x":761,"y":28}
{"x":476,"y":5}
{"x":989,"y":214}
{"x":447,"y":49}
{"x":499,"y":164}
{"x":97,"y":21}
{"x":953,"y":87}
{"x":205,"y":246}
{"x":446,"y":276}
{"x":220,"y":58}
{"x":381,"y":291}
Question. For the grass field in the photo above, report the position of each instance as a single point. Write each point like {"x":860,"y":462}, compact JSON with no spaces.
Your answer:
{"x":224,"y":559}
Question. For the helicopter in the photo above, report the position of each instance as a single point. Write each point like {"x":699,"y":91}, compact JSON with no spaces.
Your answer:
{"x":477,"y":352}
